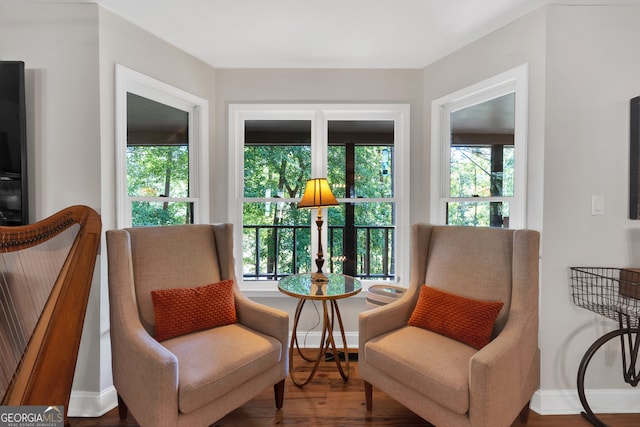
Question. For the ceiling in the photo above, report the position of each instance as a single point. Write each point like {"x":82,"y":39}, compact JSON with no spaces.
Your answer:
{"x":390,"y":34}
{"x":322,"y":34}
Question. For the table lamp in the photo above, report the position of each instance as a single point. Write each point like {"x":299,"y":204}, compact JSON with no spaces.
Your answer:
{"x":317,"y":194}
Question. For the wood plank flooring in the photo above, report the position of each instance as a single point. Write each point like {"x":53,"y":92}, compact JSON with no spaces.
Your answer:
{"x":328,"y":401}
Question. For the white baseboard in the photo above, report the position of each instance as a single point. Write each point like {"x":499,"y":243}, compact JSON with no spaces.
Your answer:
{"x":92,"y":404}
{"x":543,"y":402}
{"x":601,"y":401}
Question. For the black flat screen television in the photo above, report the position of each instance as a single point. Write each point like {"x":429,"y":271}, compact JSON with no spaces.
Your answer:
{"x":13,"y":144}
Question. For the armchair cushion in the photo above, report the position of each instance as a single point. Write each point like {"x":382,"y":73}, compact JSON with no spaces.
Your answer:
{"x":467,"y":320}
{"x":184,"y":310}
{"x":214,"y":361}
{"x":429,"y":363}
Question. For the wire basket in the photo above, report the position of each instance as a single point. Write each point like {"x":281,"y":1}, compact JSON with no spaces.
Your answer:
{"x":610,"y":292}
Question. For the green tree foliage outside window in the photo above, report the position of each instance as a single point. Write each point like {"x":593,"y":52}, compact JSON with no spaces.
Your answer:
{"x":471,"y":177}
{"x":158,"y":172}
{"x":273,"y":171}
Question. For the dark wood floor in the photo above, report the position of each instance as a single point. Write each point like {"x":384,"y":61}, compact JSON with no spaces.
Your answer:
{"x":328,"y":401}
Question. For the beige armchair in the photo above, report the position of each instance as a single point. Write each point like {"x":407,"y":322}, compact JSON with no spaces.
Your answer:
{"x":196,"y":378}
{"x":445,"y":381}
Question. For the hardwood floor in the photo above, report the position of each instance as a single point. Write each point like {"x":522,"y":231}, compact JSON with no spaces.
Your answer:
{"x":328,"y":401}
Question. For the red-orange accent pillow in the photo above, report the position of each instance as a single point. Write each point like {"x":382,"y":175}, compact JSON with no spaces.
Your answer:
{"x":464,"y":319}
{"x":183,"y":310}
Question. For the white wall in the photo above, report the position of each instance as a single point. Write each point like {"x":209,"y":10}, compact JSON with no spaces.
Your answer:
{"x":593,"y":69}
{"x":59,"y":45}
{"x":70,"y":52}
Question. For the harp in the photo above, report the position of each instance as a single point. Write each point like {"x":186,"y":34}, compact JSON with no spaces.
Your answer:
{"x":46,"y":270}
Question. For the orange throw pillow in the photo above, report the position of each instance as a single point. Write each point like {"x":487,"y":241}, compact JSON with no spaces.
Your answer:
{"x":184,"y":310}
{"x":466,"y":320}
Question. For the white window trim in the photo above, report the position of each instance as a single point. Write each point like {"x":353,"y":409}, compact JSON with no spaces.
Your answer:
{"x":320,"y":114}
{"x":130,"y":81}
{"x":514,"y":80}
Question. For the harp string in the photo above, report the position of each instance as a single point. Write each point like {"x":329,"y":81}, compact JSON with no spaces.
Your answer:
{"x":7,"y":329}
{"x":26,"y":281}
{"x":12,"y":340}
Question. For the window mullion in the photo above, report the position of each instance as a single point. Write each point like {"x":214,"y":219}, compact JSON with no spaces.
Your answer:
{"x":319,"y":150}
{"x":319,"y":145}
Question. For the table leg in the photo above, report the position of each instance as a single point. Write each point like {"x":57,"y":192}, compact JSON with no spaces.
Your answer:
{"x":294,"y":337}
{"x":327,"y":342}
{"x":335,"y":312}
{"x":295,"y":345}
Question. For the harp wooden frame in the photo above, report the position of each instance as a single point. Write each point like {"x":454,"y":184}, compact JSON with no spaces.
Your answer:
{"x":45,"y":374}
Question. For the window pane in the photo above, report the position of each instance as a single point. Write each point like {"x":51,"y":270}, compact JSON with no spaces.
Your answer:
{"x":277,"y":158}
{"x":470,"y":172}
{"x":277,"y":163}
{"x":161,"y":213}
{"x":158,"y":171}
{"x":481,"y":158}
{"x":361,"y":166}
{"x":335,"y":251}
{"x":374,"y":173}
{"x":483,"y":214}
{"x":371,"y":235}
{"x":276,"y":240}
{"x":337,"y":171}
{"x":374,"y":214}
{"x":361,"y":158}
{"x":275,"y":213}
{"x":157,"y":149}
{"x":509,"y":171}
{"x":481,"y":171}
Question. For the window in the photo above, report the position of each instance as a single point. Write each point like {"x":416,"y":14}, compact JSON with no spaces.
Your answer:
{"x":359,"y":148}
{"x":161,"y":153}
{"x":479,"y":154}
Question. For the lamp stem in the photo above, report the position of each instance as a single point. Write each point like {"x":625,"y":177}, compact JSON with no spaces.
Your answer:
{"x":318,"y":276}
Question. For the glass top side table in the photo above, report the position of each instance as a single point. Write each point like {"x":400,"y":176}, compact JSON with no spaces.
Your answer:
{"x":337,"y":286}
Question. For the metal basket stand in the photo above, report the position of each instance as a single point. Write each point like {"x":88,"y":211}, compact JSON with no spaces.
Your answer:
{"x":613,"y":293}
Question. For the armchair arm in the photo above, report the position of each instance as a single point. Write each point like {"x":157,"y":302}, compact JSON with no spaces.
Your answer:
{"x":150,"y":374}
{"x":392,"y":316}
{"x":372,"y":323}
{"x":262,"y":318}
{"x":505,"y":373}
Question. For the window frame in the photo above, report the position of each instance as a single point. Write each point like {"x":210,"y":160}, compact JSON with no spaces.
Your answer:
{"x":130,"y":81}
{"x":511,"y":81}
{"x":319,"y":115}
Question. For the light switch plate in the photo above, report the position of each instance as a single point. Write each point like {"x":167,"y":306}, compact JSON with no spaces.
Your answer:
{"x":597,"y":205}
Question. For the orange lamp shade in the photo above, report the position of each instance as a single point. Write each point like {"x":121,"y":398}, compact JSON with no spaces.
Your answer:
{"x":317,"y":194}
